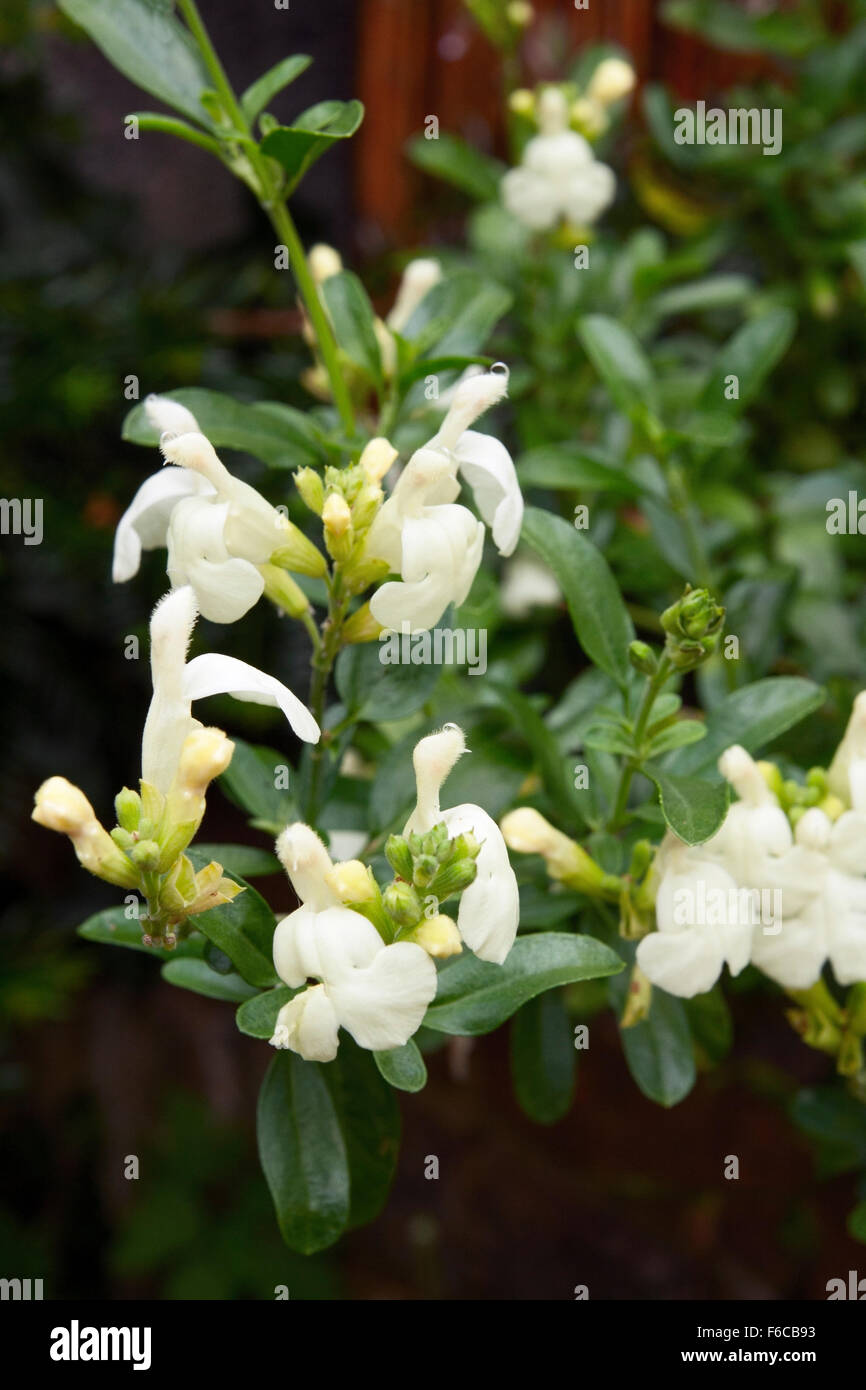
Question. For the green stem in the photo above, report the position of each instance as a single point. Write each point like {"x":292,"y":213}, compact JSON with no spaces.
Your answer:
{"x":651,"y":691}
{"x":280,"y":217}
{"x":325,"y":654}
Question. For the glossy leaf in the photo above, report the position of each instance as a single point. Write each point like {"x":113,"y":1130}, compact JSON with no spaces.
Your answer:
{"x":197,"y":975}
{"x":403,"y":1067}
{"x":692,"y":807}
{"x":543,"y":1058}
{"x":298,"y":146}
{"x":244,"y":930}
{"x":659,"y":1051}
{"x":281,"y":440}
{"x":266,"y":87}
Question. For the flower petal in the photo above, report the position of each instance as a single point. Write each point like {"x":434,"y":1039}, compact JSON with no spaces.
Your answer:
{"x":226,"y":587}
{"x":489,"y":470}
{"x":144,"y":524}
{"x":213,"y":674}
{"x":684,"y":963}
{"x":308,"y":1025}
{"x":383,"y":1004}
{"x":490,"y":907}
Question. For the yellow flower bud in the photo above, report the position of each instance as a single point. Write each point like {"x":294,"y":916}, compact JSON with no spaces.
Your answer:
{"x":352,"y":882}
{"x":612,"y":80}
{"x":377,"y":459}
{"x":522,"y":102}
{"x":438,"y":936}
{"x":361,"y":627}
{"x":205,"y":754}
{"x":324,"y":262}
{"x":63,"y":807}
{"x":336,"y":515}
{"x":526,"y":831}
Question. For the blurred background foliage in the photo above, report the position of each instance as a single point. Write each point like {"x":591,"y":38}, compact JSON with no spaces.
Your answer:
{"x":124,"y":259}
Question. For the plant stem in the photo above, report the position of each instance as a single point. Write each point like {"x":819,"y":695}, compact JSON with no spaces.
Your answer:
{"x":273,"y":204}
{"x":325,"y":654}
{"x":651,"y":690}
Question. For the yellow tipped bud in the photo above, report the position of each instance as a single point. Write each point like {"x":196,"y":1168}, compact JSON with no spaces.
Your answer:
{"x":438,"y":936}
{"x":352,"y":882}
{"x":63,"y":807}
{"x":309,"y":485}
{"x":361,"y":627}
{"x":589,"y":116}
{"x":520,"y":13}
{"x":282,"y":590}
{"x":204,"y":755}
{"x":612,"y":80}
{"x":336,"y":515}
{"x":324,"y":262}
{"x":377,"y":459}
{"x":522,"y":102}
{"x":526,"y":831}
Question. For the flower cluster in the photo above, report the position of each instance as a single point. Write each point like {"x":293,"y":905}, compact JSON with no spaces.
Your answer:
{"x":369,"y":951}
{"x":558,"y":177}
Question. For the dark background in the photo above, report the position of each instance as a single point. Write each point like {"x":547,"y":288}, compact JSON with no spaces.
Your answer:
{"x":144,"y":257}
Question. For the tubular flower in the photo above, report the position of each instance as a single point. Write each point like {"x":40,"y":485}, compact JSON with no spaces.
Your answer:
{"x":219,"y":531}
{"x":559,"y":176}
{"x":177,"y":682}
{"x":379,"y":993}
{"x":432,"y":542}
{"x":490,"y":906}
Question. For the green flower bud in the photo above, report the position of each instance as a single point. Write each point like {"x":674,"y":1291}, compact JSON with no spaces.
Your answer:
{"x":399,"y":856}
{"x":282,"y":590}
{"x":693,"y":625}
{"x":643,"y":658}
{"x":309,"y":485}
{"x":453,"y":878}
{"x":426,"y":868}
{"x":127,"y":808}
{"x":403,"y":904}
{"x":124,"y":839}
{"x":145,"y":855}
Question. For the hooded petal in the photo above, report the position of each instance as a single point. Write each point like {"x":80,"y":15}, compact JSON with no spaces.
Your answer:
{"x":308,"y":1025}
{"x":489,"y":470}
{"x":684,"y":963}
{"x":530,"y":197}
{"x":226,"y":587}
{"x":169,"y":719}
{"x":384,"y":1003}
{"x":440,"y":553}
{"x":213,"y":674}
{"x":490,"y":907}
{"x":794,"y":957}
{"x":144,"y":524}
{"x":588,"y":192}
{"x":168,"y":416}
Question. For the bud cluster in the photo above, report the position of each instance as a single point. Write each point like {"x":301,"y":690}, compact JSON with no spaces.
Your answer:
{"x":693,"y":626}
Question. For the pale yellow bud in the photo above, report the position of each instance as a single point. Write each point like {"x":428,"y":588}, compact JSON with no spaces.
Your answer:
{"x":63,"y":807}
{"x":377,"y":459}
{"x":438,"y":936}
{"x":526,"y":831}
{"x":520,"y":13}
{"x":589,"y":116}
{"x":324,"y":262}
{"x":612,"y":80}
{"x":352,"y":882}
{"x":336,"y":515}
{"x":205,"y":754}
{"x":522,"y":102}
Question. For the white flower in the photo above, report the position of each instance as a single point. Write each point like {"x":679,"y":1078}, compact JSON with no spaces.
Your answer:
{"x":217,"y":528}
{"x":432,"y":542}
{"x":378,"y":993}
{"x":490,"y":907}
{"x":177,"y":682}
{"x":419,"y":277}
{"x":756,"y":834}
{"x":612,"y":80}
{"x":527,"y":584}
{"x":685,"y":956}
{"x":558,"y":176}
{"x":847,"y":772}
{"x":830,"y":921}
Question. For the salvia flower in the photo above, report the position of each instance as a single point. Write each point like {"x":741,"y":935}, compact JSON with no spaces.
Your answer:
{"x":427,"y":538}
{"x":379,"y":993}
{"x":220,"y":532}
{"x":489,"y":909}
{"x":559,"y":177}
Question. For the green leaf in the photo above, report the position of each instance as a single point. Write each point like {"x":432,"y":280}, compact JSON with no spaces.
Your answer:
{"x":856,"y":1222}
{"x":601,"y":619}
{"x":353,"y":320}
{"x":713,"y":292}
{"x":369,"y":1117}
{"x":659,"y":1051}
{"x":475,"y":996}
{"x":711,"y":1023}
{"x":750,"y":355}
{"x":692,"y":807}
{"x":250,"y":780}
{"x":298,"y":146}
{"x":171,"y":125}
{"x":281,"y":440}
{"x":619,"y":360}
{"x":562,"y":466}
{"x":403,"y":1067}
{"x":453,"y":160}
{"x":836,"y":1122}
{"x":679,"y":735}
{"x":244,"y":930}
{"x":543,"y":1058}
{"x":303,"y":1154}
{"x":456,"y":317}
{"x":196,"y":975}
{"x":148,"y":45}
{"x":753,"y":717}
{"x":112,"y":927}
{"x":555,"y":768}
{"x":258,"y":1016}
{"x":257,"y":96}
{"x":380,"y":692}
{"x":241,"y":861}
